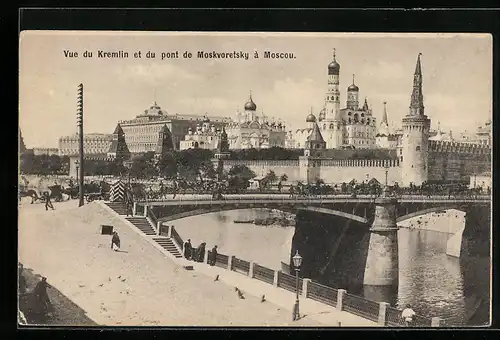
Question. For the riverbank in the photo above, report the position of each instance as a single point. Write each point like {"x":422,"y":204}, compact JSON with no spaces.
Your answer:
{"x":138,"y":286}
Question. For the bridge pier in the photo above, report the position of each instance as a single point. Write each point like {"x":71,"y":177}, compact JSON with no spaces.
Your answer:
{"x":382,"y":260}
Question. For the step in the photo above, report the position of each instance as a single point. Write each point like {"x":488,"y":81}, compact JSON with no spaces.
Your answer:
{"x":168,"y":245}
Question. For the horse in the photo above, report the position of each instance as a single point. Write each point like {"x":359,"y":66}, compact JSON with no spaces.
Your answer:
{"x":29,"y":193}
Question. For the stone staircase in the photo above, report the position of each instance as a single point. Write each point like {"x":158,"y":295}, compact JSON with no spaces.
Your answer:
{"x":119,"y":207}
{"x":168,"y":244}
{"x":142,"y":224}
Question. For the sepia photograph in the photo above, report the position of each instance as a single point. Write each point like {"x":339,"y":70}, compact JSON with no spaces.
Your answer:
{"x":262,"y":179}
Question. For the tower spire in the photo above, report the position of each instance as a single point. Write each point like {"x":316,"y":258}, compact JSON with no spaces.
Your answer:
{"x":417,"y":98}
{"x":334,"y":52}
{"x":384,"y":117}
{"x":154,"y":96}
{"x":353,"y":78}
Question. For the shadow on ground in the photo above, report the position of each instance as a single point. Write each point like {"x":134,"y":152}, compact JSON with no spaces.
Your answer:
{"x":65,"y":312}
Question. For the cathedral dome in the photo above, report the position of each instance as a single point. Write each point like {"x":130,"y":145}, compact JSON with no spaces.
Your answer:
{"x":310,"y":118}
{"x":250,"y":105}
{"x":353,"y":88}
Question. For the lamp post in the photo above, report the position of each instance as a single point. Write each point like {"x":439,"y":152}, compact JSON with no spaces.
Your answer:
{"x":297,"y":262}
{"x":77,"y":165}
{"x":386,"y":187}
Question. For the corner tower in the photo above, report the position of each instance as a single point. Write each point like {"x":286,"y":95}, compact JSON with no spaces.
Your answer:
{"x":415,"y":139}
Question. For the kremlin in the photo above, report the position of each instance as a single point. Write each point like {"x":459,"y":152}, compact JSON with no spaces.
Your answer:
{"x":340,"y":142}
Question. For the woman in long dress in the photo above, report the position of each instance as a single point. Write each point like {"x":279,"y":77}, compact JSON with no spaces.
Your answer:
{"x":115,"y":241}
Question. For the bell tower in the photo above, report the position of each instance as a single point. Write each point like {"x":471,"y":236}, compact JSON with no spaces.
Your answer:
{"x":332,"y":123}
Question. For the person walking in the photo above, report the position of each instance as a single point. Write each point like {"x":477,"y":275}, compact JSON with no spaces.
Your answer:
{"x":41,"y":296}
{"x":407,"y":315}
{"x":48,"y":203}
{"x":201,"y":252}
{"x":188,"y":250}
{"x":115,"y":241}
{"x":213,"y":256}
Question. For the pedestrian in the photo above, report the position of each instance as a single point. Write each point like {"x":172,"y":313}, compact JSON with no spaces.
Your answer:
{"x":48,"y":203}
{"x":201,"y":252}
{"x":188,"y":249}
{"x":115,"y":241}
{"x":41,"y":295}
{"x":407,"y":315}
{"x":213,"y":256}
{"x":22,"y":280}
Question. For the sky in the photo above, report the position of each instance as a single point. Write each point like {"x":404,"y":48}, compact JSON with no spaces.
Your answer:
{"x":457,"y":77}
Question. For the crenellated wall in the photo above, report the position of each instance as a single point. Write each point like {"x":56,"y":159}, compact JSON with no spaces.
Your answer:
{"x":329,"y":170}
{"x":456,"y":161}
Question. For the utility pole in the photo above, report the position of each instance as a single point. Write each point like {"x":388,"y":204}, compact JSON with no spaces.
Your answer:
{"x":79,"y":123}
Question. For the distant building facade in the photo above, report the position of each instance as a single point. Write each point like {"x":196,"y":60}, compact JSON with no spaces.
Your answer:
{"x":250,"y":130}
{"x":141,"y":133}
{"x":206,"y":136}
{"x":45,"y":151}
{"x":93,"y":144}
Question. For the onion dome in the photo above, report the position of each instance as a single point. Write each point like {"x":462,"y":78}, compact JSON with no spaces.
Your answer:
{"x":310,"y":117}
{"x":334,"y":67}
{"x":353,"y":87}
{"x":250,"y":105}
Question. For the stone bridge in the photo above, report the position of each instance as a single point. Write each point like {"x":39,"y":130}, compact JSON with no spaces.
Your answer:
{"x":360,"y":209}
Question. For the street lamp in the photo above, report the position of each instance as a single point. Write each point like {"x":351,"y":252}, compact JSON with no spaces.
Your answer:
{"x":386,"y":187}
{"x":77,"y":165}
{"x":297,"y":262}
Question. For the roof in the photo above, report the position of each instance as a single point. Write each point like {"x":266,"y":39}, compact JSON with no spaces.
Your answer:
{"x":315,"y":135}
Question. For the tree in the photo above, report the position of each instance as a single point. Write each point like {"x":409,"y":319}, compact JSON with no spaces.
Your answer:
{"x":284,"y":178}
{"x":167,"y":165}
{"x":239,"y":177}
{"x":268,"y":179}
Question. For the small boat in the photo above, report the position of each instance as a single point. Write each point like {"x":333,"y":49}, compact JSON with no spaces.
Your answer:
{"x":243,"y":221}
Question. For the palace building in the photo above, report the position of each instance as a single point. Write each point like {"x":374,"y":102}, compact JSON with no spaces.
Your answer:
{"x":93,"y":144}
{"x":206,"y":136}
{"x":249,"y":130}
{"x":142,"y":132}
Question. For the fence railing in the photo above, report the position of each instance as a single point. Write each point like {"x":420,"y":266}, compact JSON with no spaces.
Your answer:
{"x":151,"y":215}
{"x":379,"y":312}
{"x":320,"y":293}
{"x":177,"y":238}
{"x":221,"y":260}
{"x":239,"y":265}
{"x":362,"y":307}
{"x":263,"y":273}
{"x":289,"y":282}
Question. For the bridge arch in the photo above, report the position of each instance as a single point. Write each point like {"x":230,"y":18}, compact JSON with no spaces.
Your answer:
{"x":428,"y":211}
{"x":294,"y":209}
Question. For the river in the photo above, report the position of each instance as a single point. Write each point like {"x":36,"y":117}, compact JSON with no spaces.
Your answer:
{"x":429,"y":280}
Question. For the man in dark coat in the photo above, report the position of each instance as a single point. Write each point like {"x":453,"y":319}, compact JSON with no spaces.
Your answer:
{"x":213,"y":256}
{"x":201,"y":252}
{"x":48,"y":203}
{"x":188,"y":249}
{"x":41,"y":295}
{"x":115,"y":241}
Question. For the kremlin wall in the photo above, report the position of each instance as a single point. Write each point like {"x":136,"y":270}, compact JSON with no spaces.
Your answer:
{"x":340,"y":145}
